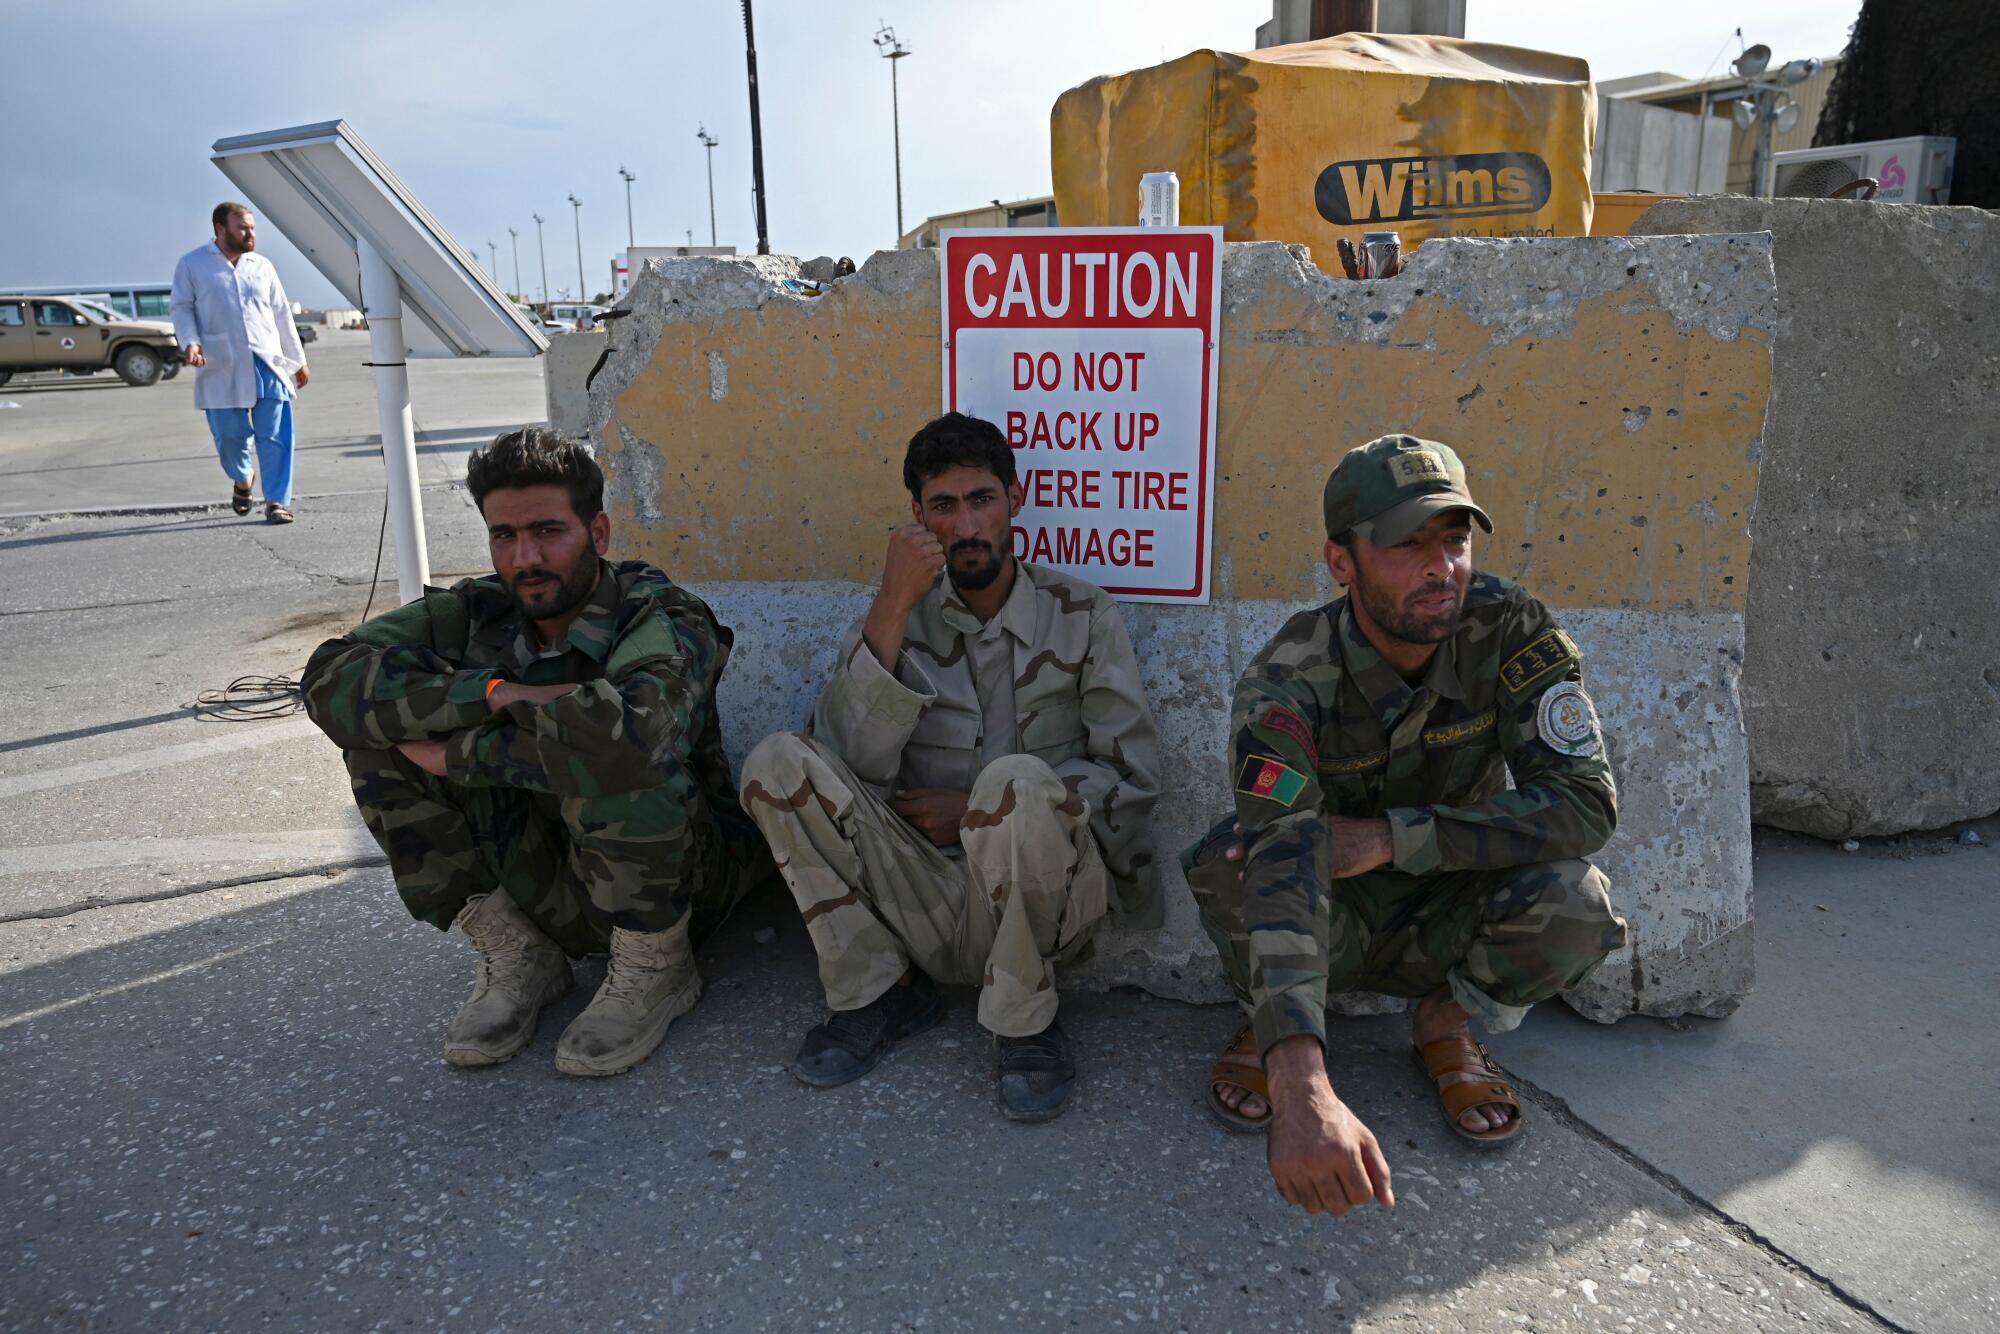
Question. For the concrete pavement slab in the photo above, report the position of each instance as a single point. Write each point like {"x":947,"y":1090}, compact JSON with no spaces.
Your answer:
{"x":1845,"y":1112}
{"x":230,"y":1110}
{"x":96,"y":442}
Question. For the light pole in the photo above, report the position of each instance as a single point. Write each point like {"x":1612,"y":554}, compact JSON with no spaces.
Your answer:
{"x":628,"y":178}
{"x":1768,"y":107}
{"x":515,"y":238}
{"x":493,"y":254}
{"x":709,"y":142}
{"x":892,"y":51}
{"x":543,"y":251}
{"x":576,"y":216}
{"x":756,"y":130}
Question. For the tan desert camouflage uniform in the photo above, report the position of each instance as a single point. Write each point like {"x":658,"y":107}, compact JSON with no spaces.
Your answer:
{"x":1040,"y":716}
{"x":611,"y":806}
{"x":1487,"y":891}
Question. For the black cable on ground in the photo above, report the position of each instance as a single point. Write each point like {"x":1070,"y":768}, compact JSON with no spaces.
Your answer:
{"x":252,"y":699}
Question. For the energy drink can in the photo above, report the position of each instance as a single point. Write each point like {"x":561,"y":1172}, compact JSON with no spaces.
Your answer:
{"x":1160,"y":199}
{"x":1381,"y":254}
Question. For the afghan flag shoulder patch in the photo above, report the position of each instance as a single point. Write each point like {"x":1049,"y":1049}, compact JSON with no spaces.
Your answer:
{"x":1270,"y":780}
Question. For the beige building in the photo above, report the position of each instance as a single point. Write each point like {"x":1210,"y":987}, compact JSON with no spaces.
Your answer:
{"x":1037,"y":212}
{"x":1714,"y":98}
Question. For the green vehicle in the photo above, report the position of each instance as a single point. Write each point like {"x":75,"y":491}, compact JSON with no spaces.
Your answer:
{"x":80,"y":336}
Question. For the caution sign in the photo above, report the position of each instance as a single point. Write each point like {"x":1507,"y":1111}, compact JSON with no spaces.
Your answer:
{"x":1095,"y":352}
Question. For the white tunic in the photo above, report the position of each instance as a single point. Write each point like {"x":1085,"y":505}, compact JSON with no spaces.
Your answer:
{"x":233,"y":311}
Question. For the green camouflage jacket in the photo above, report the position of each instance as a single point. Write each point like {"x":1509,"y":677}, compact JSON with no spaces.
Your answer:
{"x":1323,"y":726}
{"x":646,"y":652}
{"x":1062,"y":685}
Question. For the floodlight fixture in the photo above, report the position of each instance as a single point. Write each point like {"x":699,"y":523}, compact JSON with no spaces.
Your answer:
{"x":1798,"y":71}
{"x":1754,"y":61}
{"x":1744,"y":113}
{"x":1787,"y":118}
{"x":329,"y":195}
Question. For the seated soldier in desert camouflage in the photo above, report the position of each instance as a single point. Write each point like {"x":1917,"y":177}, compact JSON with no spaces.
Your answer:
{"x":1374,"y":845}
{"x":978,"y":777}
{"x":539,"y":754}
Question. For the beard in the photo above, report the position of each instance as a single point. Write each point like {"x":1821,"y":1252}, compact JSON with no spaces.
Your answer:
{"x":979,"y":576}
{"x":571,"y":589}
{"x":1401,"y":620}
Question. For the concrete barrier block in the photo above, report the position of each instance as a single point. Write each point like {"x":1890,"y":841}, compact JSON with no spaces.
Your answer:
{"x":1871,"y":685}
{"x":1608,"y":395}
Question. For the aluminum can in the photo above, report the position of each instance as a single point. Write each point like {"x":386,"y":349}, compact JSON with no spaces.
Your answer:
{"x":1160,"y":199}
{"x":1381,"y":254}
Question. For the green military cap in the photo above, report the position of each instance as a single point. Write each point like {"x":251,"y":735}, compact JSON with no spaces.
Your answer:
{"x":1390,"y":487}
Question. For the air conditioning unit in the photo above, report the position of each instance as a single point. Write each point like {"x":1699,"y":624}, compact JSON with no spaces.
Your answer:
{"x":1907,"y":171}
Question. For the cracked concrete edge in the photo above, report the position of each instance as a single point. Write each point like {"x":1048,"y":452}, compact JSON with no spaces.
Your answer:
{"x":1557,"y":1109}
{"x":95,"y":902}
{"x":1719,"y":284}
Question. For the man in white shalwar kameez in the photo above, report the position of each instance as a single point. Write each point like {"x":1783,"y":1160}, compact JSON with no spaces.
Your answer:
{"x":235,"y":328}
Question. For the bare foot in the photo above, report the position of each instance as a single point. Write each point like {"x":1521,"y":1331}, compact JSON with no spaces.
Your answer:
{"x":1439,"y":1016}
{"x":1241,"y":1100}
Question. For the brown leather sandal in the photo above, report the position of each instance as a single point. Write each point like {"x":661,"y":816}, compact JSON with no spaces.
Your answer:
{"x":239,"y":498}
{"x":1240,"y":1066}
{"x":276,"y":513}
{"x":1461,"y":1055}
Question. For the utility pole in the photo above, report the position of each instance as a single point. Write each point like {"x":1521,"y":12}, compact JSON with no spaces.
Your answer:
{"x":756,"y":132}
{"x":576,"y":216}
{"x":515,"y":237}
{"x":893,"y":51}
{"x":628,"y":178}
{"x":709,"y":142}
{"x":544,"y":252}
{"x":493,"y":254}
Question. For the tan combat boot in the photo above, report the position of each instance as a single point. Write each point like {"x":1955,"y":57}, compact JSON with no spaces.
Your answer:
{"x":520,"y":971}
{"x":652,"y":982}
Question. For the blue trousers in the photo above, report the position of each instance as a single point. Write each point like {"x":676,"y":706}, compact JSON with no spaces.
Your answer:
{"x":267,"y":428}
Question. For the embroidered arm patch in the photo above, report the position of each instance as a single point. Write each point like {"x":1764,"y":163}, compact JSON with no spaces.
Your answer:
{"x":1550,"y":653}
{"x":1288,"y":724}
{"x":1270,"y":780}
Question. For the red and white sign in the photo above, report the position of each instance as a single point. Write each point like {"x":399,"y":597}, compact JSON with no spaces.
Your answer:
{"x":1094,"y":350}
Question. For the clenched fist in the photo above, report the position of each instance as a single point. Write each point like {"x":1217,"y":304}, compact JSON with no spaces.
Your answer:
{"x":915,"y":558}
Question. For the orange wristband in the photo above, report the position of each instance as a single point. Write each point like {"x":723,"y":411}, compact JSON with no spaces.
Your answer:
{"x":492,"y":686}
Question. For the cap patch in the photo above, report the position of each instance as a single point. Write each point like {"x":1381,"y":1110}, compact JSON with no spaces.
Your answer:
{"x":1549,"y":653}
{"x":1418,"y":467}
{"x":1270,"y":780}
{"x":1567,"y":721}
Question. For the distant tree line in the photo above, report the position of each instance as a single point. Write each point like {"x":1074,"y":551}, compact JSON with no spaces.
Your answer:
{"x":1924,"y":67}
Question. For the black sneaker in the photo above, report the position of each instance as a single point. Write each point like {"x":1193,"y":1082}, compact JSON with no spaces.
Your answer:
{"x":853,"y":1042}
{"x":1036,"y":1075}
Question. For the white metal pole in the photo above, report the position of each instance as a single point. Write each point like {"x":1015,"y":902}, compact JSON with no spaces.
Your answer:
{"x":382,"y":303}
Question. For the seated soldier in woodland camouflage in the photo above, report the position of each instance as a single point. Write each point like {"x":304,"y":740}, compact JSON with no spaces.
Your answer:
{"x":1375,"y":846}
{"x":539,"y":754}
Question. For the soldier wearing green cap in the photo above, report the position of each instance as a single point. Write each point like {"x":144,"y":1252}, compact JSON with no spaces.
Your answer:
{"x":1375,"y":845}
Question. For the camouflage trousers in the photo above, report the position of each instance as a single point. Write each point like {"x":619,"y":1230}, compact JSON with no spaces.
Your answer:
{"x":576,"y":866}
{"x":878,"y":896}
{"x":1501,"y":940}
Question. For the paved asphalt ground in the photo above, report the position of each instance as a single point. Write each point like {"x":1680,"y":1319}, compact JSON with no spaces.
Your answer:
{"x":223,"y":1105}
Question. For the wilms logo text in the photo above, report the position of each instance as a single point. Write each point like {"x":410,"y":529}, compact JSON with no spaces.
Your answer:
{"x":1396,"y":189}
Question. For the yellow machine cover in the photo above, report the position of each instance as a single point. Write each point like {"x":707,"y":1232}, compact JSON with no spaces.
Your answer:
{"x":1426,"y":136}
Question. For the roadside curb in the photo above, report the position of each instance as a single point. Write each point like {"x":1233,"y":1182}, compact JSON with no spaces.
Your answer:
{"x":192,"y":506}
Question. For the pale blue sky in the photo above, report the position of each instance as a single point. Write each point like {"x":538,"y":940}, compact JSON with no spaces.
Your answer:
{"x":495,"y":109}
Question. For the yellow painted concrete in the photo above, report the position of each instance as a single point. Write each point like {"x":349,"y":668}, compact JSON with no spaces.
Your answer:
{"x":1616,"y":457}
